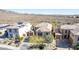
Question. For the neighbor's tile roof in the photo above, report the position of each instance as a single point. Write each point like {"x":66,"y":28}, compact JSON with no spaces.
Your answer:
{"x":44,"y":27}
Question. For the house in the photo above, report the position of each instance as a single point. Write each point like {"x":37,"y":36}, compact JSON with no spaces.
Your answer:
{"x":18,"y":30}
{"x":65,"y":30}
{"x":43,"y":29}
{"x":74,"y":37}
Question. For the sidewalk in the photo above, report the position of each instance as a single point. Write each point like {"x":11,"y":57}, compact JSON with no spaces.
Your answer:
{"x":7,"y":47}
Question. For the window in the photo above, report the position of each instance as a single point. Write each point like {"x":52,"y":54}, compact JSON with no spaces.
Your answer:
{"x":10,"y":30}
{"x":65,"y":36}
{"x":15,"y":30}
{"x":28,"y":34}
{"x":65,"y":31}
{"x":78,"y":39}
{"x":11,"y":36}
{"x":47,"y":33}
{"x":24,"y":35}
{"x":16,"y":36}
{"x":31,"y":33}
{"x":40,"y":33}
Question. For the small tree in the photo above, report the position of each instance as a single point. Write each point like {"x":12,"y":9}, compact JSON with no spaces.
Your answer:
{"x":49,"y":38}
{"x":54,"y":24}
{"x":37,"y":42}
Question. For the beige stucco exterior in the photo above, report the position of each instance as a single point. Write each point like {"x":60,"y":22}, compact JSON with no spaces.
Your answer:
{"x":74,"y":36}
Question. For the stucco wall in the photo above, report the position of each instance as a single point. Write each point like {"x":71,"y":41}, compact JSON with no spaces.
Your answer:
{"x":74,"y":38}
{"x":24,"y":30}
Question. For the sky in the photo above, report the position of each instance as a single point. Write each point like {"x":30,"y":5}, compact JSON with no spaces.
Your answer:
{"x":48,"y":11}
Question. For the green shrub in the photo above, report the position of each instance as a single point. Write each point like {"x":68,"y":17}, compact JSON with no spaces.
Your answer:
{"x":36,"y":39}
{"x":76,"y":47}
{"x":0,"y":32}
{"x":21,"y":38}
{"x":49,"y":38}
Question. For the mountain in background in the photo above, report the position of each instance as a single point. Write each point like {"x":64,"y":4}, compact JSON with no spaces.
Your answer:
{"x":12,"y":17}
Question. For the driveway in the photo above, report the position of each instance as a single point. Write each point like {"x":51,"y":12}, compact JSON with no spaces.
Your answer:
{"x":24,"y":46}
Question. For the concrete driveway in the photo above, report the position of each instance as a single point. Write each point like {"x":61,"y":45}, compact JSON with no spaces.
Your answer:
{"x":24,"y":46}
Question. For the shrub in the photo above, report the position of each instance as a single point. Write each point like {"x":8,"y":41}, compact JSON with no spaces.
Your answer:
{"x":21,"y":38}
{"x":76,"y":47}
{"x":0,"y":32}
{"x":36,"y":39}
{"x":49,"y":38}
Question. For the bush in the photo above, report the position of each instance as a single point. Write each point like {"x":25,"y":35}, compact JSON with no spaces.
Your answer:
{"x":0,"y":32}
{"x":41,"y":46}
{"x":36,"y":39}
{"x":37,"y":42}
{"x":49,"y":38}
{"x":76,"y":47}
{"x":20,"y":38}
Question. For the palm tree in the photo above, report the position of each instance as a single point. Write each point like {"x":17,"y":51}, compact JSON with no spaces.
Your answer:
{"x":54,"y":24}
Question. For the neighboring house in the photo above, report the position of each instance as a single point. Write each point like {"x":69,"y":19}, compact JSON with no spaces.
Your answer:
{"x":18,"y":30}
{"x":43,"y":29}
{"x":65,"y":30}
{"x":74,"y":37}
